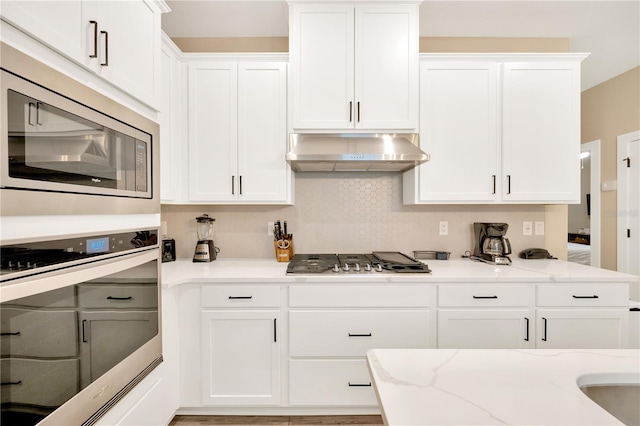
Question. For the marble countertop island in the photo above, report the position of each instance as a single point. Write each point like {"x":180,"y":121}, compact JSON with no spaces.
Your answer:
{"x":496,"y":387}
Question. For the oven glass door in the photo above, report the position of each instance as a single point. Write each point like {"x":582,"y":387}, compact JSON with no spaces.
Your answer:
{"x":48,"y":144}
{"x":58,"y":342}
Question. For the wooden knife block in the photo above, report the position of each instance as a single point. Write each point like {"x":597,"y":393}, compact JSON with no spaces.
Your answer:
{"x":284,"y":255}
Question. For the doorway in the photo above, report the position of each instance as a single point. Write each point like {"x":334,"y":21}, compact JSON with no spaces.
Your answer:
{"x":583,"y":244}
{"x":629,"y":203}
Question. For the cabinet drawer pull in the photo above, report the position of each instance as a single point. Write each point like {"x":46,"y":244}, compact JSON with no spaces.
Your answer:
{"x":595,"y":296}
{"x":358,"y":111}
{"x":240,"y":185}
{"x":19,"y":382}
{"x":240,"y":297}
{"x":233,"y":185}
{"x":84,"y":331}
{"x":508,"y":184}
{"x":95,"y":39}
{"x":119,"y":298}
{"x":106,"y":49}
{"x":485,"y":297}
{"x":526,"y":321}
{"x":17,"y":333}
{"x":350,"y":111}
{"x":359,"y":335}
{"x":355,"y":385}
{"x":275,"y":330}
{"x":544,"y":332}
{"x":494,"y":183}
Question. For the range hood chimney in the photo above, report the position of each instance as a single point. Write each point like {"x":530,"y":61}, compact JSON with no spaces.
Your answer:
{"x":354,"y":152}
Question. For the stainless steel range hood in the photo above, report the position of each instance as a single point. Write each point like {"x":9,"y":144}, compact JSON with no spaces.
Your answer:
{"x":350,"y":152}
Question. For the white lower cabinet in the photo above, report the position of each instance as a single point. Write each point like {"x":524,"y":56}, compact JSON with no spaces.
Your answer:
{"x":330,"y":382}
{"x":485,"y":329}
{"x":328,"y":339}
{"x":583,"y":315}
{"x":240,"y":358}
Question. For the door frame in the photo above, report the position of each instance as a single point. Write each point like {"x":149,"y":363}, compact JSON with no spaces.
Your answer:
{"x":623,"y":213}
{"x":593,"y":148}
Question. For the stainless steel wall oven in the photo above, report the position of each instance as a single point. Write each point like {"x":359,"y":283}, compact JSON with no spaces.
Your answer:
{"x":79,"y":325}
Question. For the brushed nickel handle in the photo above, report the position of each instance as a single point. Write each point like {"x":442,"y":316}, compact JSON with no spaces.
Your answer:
{"x":95,"y":39}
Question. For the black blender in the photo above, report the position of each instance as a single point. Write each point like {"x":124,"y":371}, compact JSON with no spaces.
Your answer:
{"x":205,"y":249}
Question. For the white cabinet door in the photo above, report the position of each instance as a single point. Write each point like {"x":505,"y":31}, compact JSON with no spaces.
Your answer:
{"x":386,"y":66}
{"x":458,"y":128}
{"x":59,"y":24}
{"x":130,"y":47}
{"x":322,"y":60}
{"x":262,"y":132}
{"x":213,"y":131}
{"x":541,"y":132}
{"x":582,"y":329}
{"x":240,"y":358}
{"x":170,"y":152}
{"x":354,"y":66}
{"x":485,"y":329}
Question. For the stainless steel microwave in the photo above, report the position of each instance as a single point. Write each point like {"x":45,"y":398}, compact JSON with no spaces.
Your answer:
{"x":59,"y":137}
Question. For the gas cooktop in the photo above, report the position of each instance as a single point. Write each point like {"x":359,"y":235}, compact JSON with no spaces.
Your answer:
{"x":371,"y":263}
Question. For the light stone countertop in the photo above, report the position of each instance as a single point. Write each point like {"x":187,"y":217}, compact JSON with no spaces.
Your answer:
{"x":496,"y":386}
{"x":459,"y":270}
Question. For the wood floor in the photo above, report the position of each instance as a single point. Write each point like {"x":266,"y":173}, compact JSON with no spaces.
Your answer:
{"x":276,"y":420}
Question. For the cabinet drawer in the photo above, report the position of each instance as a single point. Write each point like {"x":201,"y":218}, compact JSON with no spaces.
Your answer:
{"x":112,"y":296}
{"x":352,"y":333}
{"x":246,"y":296}
{"x":360,"y":296}
{"x":330,"y":382}
{"x":484,"y":295}
{"x":39,"y":382}
{"x":583,"y":295}
{"x":42,"y":334}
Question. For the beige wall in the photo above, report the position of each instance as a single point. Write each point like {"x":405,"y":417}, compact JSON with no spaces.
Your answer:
{"x":611,"y":109}
{"x":364,"y":212}
{"x":427,"y":44}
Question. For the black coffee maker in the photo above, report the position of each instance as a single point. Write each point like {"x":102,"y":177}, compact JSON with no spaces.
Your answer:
{"x":491,"y":244}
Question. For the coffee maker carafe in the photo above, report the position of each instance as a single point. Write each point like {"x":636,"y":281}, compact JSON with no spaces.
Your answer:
{"x":491,"y":244}
{"x":205,"y":249}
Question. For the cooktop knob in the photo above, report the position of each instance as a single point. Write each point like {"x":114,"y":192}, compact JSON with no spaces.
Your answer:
{"x":346,"y":267}
{"x":336,"y":268}
{"x":378,"y":268}
{"x":356,"y":267}
{"x":367,"y":267}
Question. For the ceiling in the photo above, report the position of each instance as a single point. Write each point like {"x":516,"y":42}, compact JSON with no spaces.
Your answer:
{"x":609,"y":30}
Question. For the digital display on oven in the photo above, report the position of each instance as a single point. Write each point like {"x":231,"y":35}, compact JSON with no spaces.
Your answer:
{"x":98,"y":245}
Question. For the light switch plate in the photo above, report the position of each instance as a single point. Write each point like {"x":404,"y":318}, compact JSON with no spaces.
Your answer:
{"x":539,"y":228}
{"x":270,"y":229}
{"x":527,"y":228}
{"x":610,"y":185}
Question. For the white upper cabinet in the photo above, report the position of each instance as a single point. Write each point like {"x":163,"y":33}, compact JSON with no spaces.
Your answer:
{"x":237,"y":132}
{"x":499,"y":129}
{"x":541,"y":132}
{"x":458,"y":122}
{"x":117,"y":40}
{"x":354,"y":66}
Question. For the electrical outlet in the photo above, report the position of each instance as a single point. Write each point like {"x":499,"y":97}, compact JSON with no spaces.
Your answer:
{"x":270,"y":229}
{"x":539,"y":228}
{"x":527,"y":228}
{"x":444,"y":227}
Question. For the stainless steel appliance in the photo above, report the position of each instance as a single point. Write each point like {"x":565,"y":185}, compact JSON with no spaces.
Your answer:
{"x":491,"y":244}
{"x":205,"y":249}
{"x":377,"y":262}
{"x":79,"y":325}
{"x":69,"y":148}
{"x":348,"y":152}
